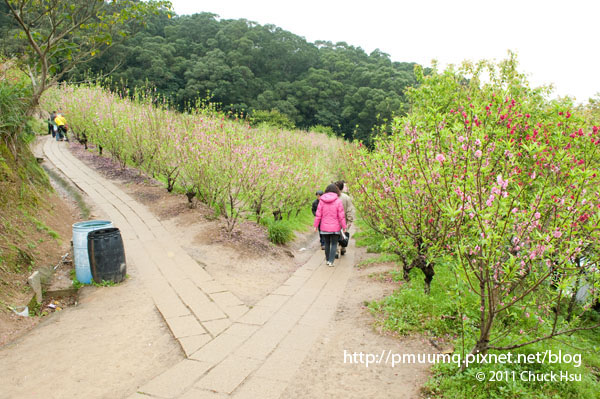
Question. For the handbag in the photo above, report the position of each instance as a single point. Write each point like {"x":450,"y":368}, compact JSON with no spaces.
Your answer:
{"x":344,"y":238}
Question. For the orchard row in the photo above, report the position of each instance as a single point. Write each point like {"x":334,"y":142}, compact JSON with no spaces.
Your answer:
{"x":237,"y":170}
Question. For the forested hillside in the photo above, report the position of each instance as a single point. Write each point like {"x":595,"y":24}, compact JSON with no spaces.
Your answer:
{"x":247,"y":67}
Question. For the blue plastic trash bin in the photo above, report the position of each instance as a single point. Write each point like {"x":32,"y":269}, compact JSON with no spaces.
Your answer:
{"x":80,"y":247}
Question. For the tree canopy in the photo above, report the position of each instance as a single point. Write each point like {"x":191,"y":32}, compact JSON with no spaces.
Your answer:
{"x":247,"y":67}
{"x":52,"y":38}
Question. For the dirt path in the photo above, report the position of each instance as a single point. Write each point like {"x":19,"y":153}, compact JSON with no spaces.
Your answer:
{"x":291,"y":342}
{"x":112,"y":340}
{"x":325,"y":373}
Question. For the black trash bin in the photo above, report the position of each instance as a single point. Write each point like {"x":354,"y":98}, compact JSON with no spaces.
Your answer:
{"x":107,"y":255}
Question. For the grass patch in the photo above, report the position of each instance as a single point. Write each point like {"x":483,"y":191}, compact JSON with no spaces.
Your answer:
{"x":41,"y":226}
{"x":366,"y":237}
{"x":409,"y":311}
{"x":104,"y":283}
{"x":504,"y":381}
{"x":282,"y":231}
{"x":382,"y":258}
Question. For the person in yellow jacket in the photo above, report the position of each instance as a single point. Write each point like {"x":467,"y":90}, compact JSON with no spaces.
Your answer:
{"x":61,"y":122}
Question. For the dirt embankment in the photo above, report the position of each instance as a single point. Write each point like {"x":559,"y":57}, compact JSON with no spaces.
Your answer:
{"x":35,"y":232}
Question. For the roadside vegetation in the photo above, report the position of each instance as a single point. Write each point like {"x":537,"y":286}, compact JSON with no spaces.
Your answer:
{"x":487,"y":195}
{"x":264,"y":173}
{"x":25,"y":191}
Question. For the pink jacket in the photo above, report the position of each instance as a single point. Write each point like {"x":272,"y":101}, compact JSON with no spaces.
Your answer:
{"x":330,"y":213}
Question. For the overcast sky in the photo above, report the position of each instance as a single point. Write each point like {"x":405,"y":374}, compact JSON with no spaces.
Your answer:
{"x":556,"y":41}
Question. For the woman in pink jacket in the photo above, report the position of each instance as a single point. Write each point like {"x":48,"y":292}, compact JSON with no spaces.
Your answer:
{"x":330,"y":216}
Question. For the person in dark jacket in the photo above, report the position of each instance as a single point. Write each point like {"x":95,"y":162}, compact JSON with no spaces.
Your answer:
{"x":330,"y":220}
{"x":315,"y":204}
{"x":52,"y":128}
{"x":348,"y":207}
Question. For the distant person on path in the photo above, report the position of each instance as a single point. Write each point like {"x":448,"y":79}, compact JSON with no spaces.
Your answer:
{"x":315,"y":204}
{"x":61,"y":122}
{"x":348,"y":206}
{"x":330,"y":220}
{"x":52,"y":128}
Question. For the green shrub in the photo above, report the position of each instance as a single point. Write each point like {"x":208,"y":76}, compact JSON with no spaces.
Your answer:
{"x":280,"y":232}
{"x":272,"y":118}
{"x":328,"y":130}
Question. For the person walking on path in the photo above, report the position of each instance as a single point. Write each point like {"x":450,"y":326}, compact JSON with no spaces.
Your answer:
{"x":52,"y":125}
{"x":348,"y":207}
{"x":315,"y":204}
{"x":61,"y":122}
{"x":330,"y":220}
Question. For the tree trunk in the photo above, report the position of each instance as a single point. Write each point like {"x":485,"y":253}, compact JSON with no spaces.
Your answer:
{"x":574,"y":295}
{"x":427,"y":269}
{"x":429,"y":273}
{"x":190,"y":196}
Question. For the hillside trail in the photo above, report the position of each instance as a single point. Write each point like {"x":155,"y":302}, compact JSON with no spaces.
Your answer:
{"x":197,"y":319}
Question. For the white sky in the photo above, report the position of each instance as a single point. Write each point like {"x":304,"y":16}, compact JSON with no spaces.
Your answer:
{"x":556,"y":40}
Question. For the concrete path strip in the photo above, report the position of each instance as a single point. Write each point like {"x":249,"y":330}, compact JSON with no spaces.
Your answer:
{"x":231,"y":350}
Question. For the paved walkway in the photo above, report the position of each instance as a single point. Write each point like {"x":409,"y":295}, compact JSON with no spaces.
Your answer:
{"x":231,"y":350}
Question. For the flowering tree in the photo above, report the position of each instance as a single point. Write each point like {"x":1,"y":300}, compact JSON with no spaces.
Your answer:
{"x":233,"y":168}
{"x":507,"y":184}
{"x":390,"y":195}
{"x":56,"y":36}
{"x":526,"y":209}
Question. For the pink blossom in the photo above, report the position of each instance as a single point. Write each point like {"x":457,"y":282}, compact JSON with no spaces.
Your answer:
{"x":503,"y":183}
{"x":440,"y":158}
{"x":477,"y":142}
{"x":478,"y":154}
{"x":461,"y":139}
{"x":557,"y":233}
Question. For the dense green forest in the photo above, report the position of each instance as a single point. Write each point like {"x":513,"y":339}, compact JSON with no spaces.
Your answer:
{"x":245,"y":67}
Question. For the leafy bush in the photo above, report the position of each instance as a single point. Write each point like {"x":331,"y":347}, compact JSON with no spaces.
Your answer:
{"x":15,"y":96}
{"x":328,"y":130}
{"x":272,"y":118}
{"x":280,"y":232}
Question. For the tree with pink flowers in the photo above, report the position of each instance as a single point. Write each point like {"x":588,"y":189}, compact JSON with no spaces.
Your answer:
{"x":491,"y":179}
{"x":239,"y":171}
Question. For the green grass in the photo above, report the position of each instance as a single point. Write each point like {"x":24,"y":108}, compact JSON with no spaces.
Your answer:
{"x":41,"y":226}
{"x":103,"y":283}
{"x":282,"y":231}
{"x":382,"y":258}
{"x":408,"y":311}
{"x":449,"y":382}
{"x":76,"y":283}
